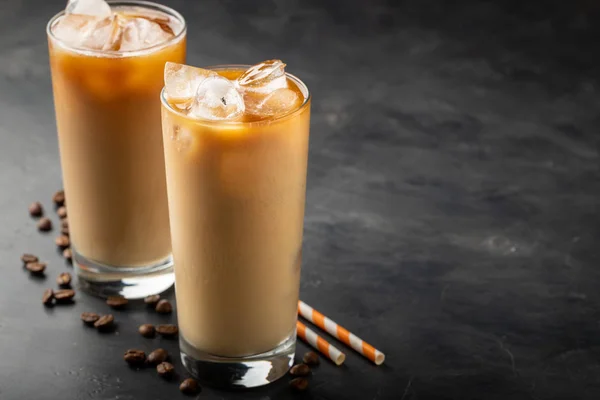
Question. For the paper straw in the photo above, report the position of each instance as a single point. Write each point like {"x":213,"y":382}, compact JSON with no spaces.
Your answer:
{"x":340,"y":333}
{"x":319,"y":343}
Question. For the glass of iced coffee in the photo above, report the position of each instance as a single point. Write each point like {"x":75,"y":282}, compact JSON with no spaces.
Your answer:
{"x":236,"y":149}
{"x":107,"y":62}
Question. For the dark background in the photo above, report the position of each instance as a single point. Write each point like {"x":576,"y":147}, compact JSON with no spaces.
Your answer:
{"x":452,"y":215}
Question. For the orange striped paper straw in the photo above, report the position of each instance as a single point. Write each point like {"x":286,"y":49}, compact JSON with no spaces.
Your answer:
{"x":340,"y":333}
{"x":320,"y":344}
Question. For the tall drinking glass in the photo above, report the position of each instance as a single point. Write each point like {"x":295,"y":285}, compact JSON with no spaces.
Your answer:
{"x":236,"y":202}
{"x":107,"y":103}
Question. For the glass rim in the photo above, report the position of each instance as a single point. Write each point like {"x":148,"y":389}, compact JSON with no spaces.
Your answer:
{"x":129,"y":53}
{"x":301,"y":85}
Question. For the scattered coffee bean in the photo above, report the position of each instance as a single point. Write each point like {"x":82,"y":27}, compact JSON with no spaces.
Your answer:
{"x":36,"y":268}
{"x":164,"y":307}
{"x":165,"y":370}
{"x":64,"y":296}
{"x":189,"y":386}
{"x":152,"y":300}
{"x":157,"y":356}
{"x":48,"y":297}
{"x":117,"y":302}
{"x":64,"y":227}
{"x":299,"y":384}
{"x":28,"y":258}
{"x":147,"y":330}
{"x":68,"y":254}
{"x":44,"y":225}
{"x":300,"y":370}
{"x":59,"y":198}
{"x":135,"y":357}
{"x":167,"y":330}
{"x":62,"y":212}
{"x":62,"y":241}
{"x":36,"y":209}
{"x":105,"y":323}
{"x":311,"y":358}
{"x":89,"y":318}
{"x":64,"y":279}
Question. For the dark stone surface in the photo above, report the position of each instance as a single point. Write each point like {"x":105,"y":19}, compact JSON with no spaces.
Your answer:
{"x":452,"y":216}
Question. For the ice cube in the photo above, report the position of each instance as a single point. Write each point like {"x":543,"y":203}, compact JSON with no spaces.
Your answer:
{"x":163,"y":21}
{"x":95,"y":8}
{"x":73,"y":29}
{"x":275,"y":104}
{"x":182,"y":81}
{"x":217,"y":99}
{"x":140,"y":33}
{"x":105,"y":35}
{"x":264,"y":77}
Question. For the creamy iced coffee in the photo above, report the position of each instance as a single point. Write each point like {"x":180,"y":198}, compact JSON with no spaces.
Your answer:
{"x":107,"y":67}
{"x":236,"y":147}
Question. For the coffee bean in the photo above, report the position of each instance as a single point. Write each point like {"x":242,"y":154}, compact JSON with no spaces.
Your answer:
{"x":36,"y":209}
{"x":164,"y":307}
{"x":47,"y":297}
{"x":64,"y":227}
{"x":44,"y":225}
{"x":105,"y":323}
{"x":59,"y":198}
{"x":147,"y":330}
{"x":62,"y":212}
{"x":89,"y":318}
{"x":117,"y":302}
{"x":299,"y":384}
{"x":152,"y":300}
{"x":311,"y":358}
{"x":167,"y":330}
{"x":64,"y":296}
{"x":189,"y":386}
{"x":135,"y":357}
{"x":36,"y":268}
{"x":165,"y":370}
{"x":64,"y":279}
{"x":68,"y":254}
{"x":300,"y":370}
{"x":157,"y":356}
{"x":28,"y":258}
{"x":62,"y":241}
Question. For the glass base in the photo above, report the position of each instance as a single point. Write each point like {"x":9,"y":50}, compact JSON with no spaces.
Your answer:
{"x":130,"y":282}
{"x":239,"y":372}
